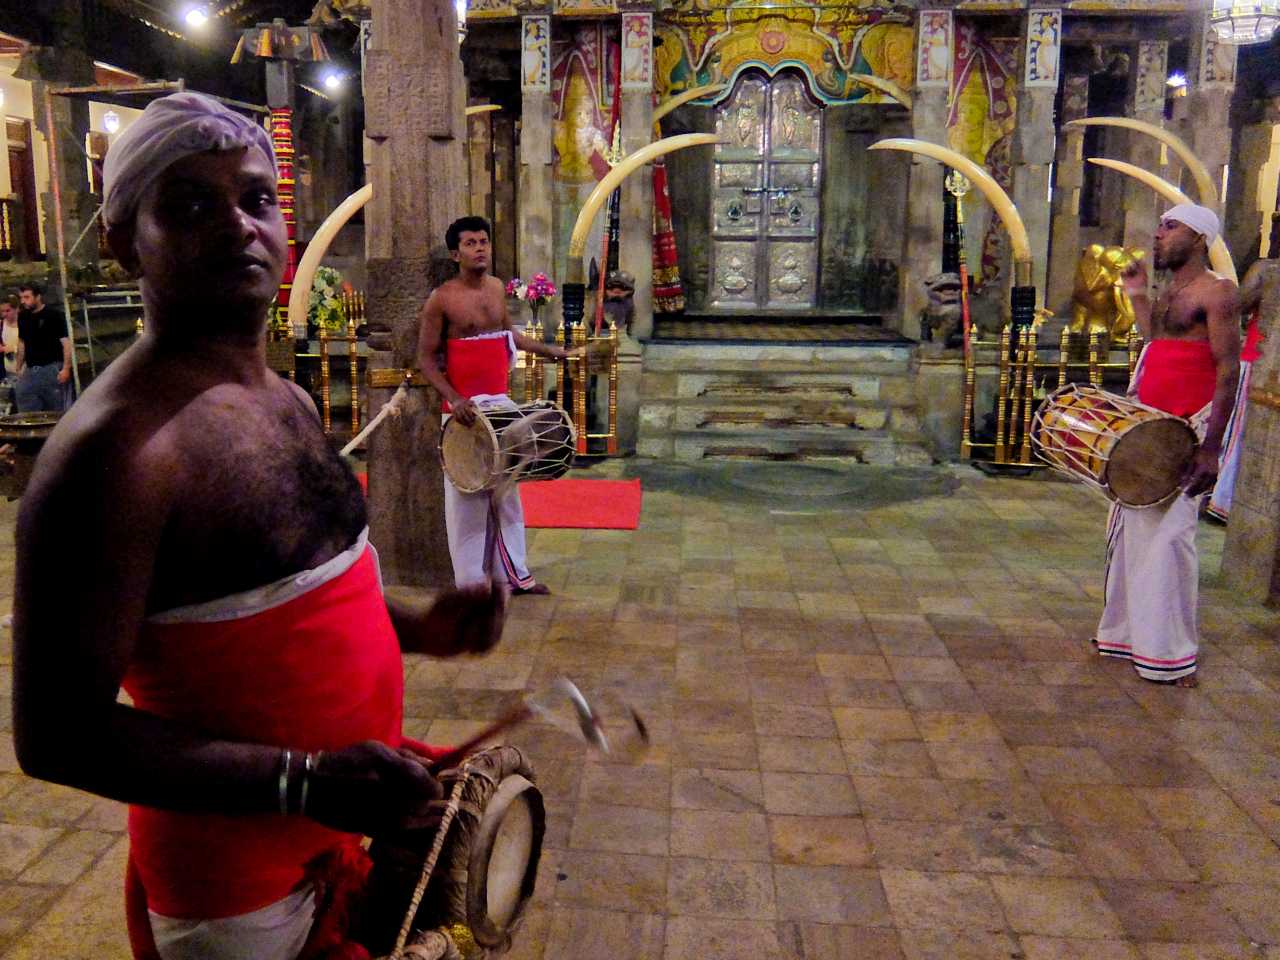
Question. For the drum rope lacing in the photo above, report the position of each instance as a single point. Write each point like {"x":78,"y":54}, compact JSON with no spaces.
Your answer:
{"x":446,"y":821}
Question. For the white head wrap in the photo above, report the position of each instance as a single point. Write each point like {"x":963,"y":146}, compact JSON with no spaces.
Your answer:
{"x":170,"y":129}
{"x":1200,"y":219}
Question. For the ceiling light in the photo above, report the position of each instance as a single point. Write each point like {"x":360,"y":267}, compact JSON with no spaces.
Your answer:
{"x":1176,"y":80}
{"x":196,"y":17}
{"x":1245,"y":21}
{"x":111,"y":121}
{"x":332,"y":81}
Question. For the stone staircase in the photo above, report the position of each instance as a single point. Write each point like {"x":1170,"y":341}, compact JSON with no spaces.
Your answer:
{"x":780,"y":402}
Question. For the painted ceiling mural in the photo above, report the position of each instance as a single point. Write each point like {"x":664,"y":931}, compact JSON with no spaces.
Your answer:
{"x":712,"y":41}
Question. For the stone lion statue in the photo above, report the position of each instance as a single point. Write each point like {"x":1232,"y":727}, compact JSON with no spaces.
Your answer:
{"x":1099,"y":302}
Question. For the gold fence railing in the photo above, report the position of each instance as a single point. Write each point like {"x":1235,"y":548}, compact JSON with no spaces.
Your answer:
{"x":1018,"y":389}
{"x":7,"y":218}
{"x":598,"y":357}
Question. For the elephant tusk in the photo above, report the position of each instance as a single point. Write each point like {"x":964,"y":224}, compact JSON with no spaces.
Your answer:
{"x":884,"y":86}
{"x":482,"y":108}
{"x":623,"y":169}
{"x":680,"y":99}
{"x":1219,"y":255}
{"x":318,"y":247}
{"x":1199,"y":172}
{"x":994,"y":193}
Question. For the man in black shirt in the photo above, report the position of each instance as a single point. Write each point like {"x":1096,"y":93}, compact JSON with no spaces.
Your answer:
{"x":44,"y":353}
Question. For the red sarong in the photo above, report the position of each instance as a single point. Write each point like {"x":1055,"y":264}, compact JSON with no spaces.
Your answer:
{"x":1252,"y":349}
{"x":318,"y":672}
{"x":477,"y":365}
{"x":1178,"y":376}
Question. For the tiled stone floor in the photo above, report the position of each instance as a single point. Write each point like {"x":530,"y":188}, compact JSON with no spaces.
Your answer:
{"x":878,"y":732}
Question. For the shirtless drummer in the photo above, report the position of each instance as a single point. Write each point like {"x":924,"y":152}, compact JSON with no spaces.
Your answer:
{"x":466,"y":320}
{"x":222,"y":575}
{"x":1189,"y":368}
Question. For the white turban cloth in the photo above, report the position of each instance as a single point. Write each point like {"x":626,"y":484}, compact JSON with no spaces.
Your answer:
{"x":171,"y":129}
{"x":1200,"y":219}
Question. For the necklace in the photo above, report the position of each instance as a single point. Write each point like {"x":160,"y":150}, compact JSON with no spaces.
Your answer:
{"x":1169,"y":297}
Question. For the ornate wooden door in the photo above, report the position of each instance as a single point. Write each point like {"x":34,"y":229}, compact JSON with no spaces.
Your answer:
{"x":764,"y":197}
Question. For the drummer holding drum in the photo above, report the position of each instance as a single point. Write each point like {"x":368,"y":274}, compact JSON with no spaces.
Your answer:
{"x":466,"y":348}
{"x":1188,"y":369}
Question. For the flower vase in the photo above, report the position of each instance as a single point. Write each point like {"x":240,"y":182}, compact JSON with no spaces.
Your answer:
{"x":536,"y":310}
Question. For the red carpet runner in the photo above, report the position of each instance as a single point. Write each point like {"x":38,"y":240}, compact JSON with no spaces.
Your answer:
{"x":582,"y":504}
{"x":575,"y":504}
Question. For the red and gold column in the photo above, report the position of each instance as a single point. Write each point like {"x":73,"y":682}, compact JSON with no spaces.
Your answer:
{"x":282,"y":141}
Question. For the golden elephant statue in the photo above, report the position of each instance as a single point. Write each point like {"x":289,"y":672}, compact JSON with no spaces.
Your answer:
{"x":1099,"y":302}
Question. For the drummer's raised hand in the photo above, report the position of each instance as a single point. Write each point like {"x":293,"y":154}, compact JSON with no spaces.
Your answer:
{"x":369,"y":788}
{"x":469,"y":620}
{"x":1134,"y":277}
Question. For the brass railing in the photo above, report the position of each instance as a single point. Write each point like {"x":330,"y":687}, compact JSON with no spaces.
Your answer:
{"x":1016,"y":366}
{"x":282,"y":356}
{"x":599,"y":357}
{"x":7,"y":217}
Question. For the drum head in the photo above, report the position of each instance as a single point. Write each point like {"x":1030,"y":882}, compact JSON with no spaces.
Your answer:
{"x":504,"y":861}
{"x":470,"y":454}
{"x":28,"y":426}
{"x":1149,"y":461}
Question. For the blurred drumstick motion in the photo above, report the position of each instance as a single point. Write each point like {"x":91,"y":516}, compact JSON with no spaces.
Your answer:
{"x":585,"y":723}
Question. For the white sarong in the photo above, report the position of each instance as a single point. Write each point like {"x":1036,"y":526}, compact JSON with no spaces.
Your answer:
{"x":1151,"y":585}
{"x":1151,"y":580}
{"x":486,"y":529}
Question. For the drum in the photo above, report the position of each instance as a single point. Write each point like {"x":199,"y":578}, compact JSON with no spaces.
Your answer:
{"x":534,"y":442}
{"x":1135,"y":454}
{"x":483,"y":875}
{"x":26,"y":434}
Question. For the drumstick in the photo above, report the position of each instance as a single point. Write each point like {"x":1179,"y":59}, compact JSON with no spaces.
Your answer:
{"x":588,"y":725}
{"x":459,"y":753}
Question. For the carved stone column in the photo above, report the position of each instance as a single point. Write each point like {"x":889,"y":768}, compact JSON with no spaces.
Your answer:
{"x":1211,"y":81}
{"x":1068,"y":180}
{"x":1146,"y":102}
{"x":535,"y":193}
{"x":1251,"y":556}
{"x":1033,"y":137}
{"x":922,"y":238}
{"x":635,"y":250}
{"x":414,"y":99}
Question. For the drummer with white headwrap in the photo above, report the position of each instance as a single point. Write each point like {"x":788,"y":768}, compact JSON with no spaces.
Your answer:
{"x":1189,"y":368}
{"x":224,"y":578}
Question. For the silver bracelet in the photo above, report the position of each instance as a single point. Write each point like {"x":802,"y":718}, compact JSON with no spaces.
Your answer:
{"x":308,"y":764}
{"x":283,"y":786}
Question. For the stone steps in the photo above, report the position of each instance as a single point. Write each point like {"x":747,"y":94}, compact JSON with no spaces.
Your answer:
{"x":851,"y":404}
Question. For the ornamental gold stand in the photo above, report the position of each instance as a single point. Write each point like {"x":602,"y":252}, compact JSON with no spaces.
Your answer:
{"x":1019,"y":388}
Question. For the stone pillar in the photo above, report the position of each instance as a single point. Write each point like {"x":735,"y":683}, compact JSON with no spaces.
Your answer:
{"x":922,"y":238}
{"x":65,"y":63}
{"x":1251,"y":556}
{"x":535,"y":194}
{"x":1033,"y":137}
{"x":1211,"y":82}
{"x":1146,"y":102}
{"x":1068,"y":180}
{"x":414,"y":99}
{"x":635,"y":247}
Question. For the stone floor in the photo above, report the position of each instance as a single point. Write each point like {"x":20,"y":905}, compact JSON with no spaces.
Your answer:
{"x":878,"y":732}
